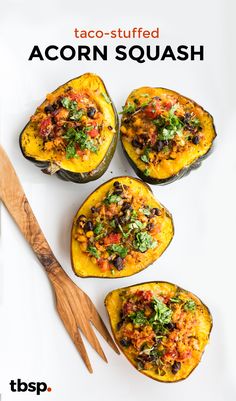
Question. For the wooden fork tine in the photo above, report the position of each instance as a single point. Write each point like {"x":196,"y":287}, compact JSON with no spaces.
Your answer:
{"x":98,"y":323}
{"x":84,"y":324}
{"x":69,"y":322}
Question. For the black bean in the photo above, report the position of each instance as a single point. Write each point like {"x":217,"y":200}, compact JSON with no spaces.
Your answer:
{"x":118,"y":191}
{"x":124,"y":342}
{"x":150,"y":226}
{"x":93,"y":209}
{"x":155,"y":211}
{"x":88,"y":226}
{"x":176,"y":367}
{"x":126,"y":206}
{"x":187,"y":117}
{"x":49,"y":109}
{"x":118,"y":263}
{"x":195,"y":140}
{"x":159,"y":146}
{"x":82,"y":217}
{"x":91,"y":112}
{"x":117,"y":184}
{"x":137,"y":144}
{"x":170,"y":326}
{"x":116,"y":219}
{"x":119,"y":324}
{"x":122,"y":220}
{"x":109,"y":127}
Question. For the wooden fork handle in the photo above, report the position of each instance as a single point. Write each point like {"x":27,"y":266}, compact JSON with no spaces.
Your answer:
{"x":14,"y":198}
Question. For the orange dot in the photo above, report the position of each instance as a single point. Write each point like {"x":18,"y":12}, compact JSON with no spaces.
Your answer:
{"x":49,"y":389}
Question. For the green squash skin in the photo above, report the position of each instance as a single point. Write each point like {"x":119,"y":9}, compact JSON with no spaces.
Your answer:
{"x":119,"y":346}
{"x":184,"y":171}
{"x":80,"y":178}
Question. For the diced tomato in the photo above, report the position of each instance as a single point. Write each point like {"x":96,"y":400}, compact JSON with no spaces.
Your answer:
{"x":145,"y":295}
{"x":93,"y":133}
{"x":153,"y":139}
{"x":75,"y":96}
{"x":156,"y":229}
{"x":168,"y":105}
{"x":185,"y":355}
{"x":80,"y":152}
{"x":171,"y":354}
{"x":45,"y":126}
{"x":61,"y":114}
{"x":153,"y":109}
{"x":92,"y":123}
{"x":103,"y":264}
{"x":112,"y":238}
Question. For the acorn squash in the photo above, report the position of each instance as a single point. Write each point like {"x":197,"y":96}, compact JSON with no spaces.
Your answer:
{"x":73,"y":133}
{"x":164,"y":134}
{"x":119,"y":230}
{"x":161,"y":328}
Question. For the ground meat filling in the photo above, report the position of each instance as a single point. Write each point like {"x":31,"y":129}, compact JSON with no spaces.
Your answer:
{"x":160,"y":127}
{"x":159,"y":331}
{"x":70,"y":125}
{"x":120,"y":227}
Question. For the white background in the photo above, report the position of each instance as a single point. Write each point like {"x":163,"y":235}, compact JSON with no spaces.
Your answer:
{"x":34,"y":345}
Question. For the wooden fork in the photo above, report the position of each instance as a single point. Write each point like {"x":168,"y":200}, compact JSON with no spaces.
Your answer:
{"x":73,"y":305}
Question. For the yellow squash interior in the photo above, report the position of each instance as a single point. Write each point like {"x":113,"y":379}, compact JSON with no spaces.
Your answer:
{"x":113,"y":305}
{"x":81,"y":262}
{"x":32,"y":144}
{"x":168,"y":168}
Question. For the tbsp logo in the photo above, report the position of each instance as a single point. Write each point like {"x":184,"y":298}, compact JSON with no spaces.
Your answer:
{"x":20,"y":386}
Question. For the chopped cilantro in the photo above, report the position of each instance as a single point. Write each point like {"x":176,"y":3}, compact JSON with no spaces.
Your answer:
{"x":72,"y":106}
{"x":130,"y":108}
{"x":170,"y":126}
{"x":93,"y":251}
{"x":162,"y":314}
{"x":190,"y":305}
{"x":98,"y":228}
{"x":113,"y":223}
{"x":146,"y":172}
{"x":81,"y":138}
{"x":175,"y":300}
{"x":136,"y":224}
{"x":145,"y":210}
{"x":138,"y":318}
{"x":112,"y":198}
{"x":71,"y":151}
{"x":145,"y":155}
{"x":144,"y":241}
{"x":119,"y":249}
{"x":66,"y":102}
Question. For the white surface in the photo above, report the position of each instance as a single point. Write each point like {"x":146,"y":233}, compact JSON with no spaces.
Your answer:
{"x":34,"y":345}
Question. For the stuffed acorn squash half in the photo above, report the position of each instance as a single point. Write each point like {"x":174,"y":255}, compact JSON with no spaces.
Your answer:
{"x":119,"y":230}
{"x":164,"y":134}
{"x":73,"y":133}
{"x":161,"y":328}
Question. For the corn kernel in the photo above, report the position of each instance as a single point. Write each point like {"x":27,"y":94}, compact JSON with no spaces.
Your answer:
{"x":123,"y":129}
{"x":82,"y":238}
{"x":89,"y":234}
{"x":93,"y":259}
